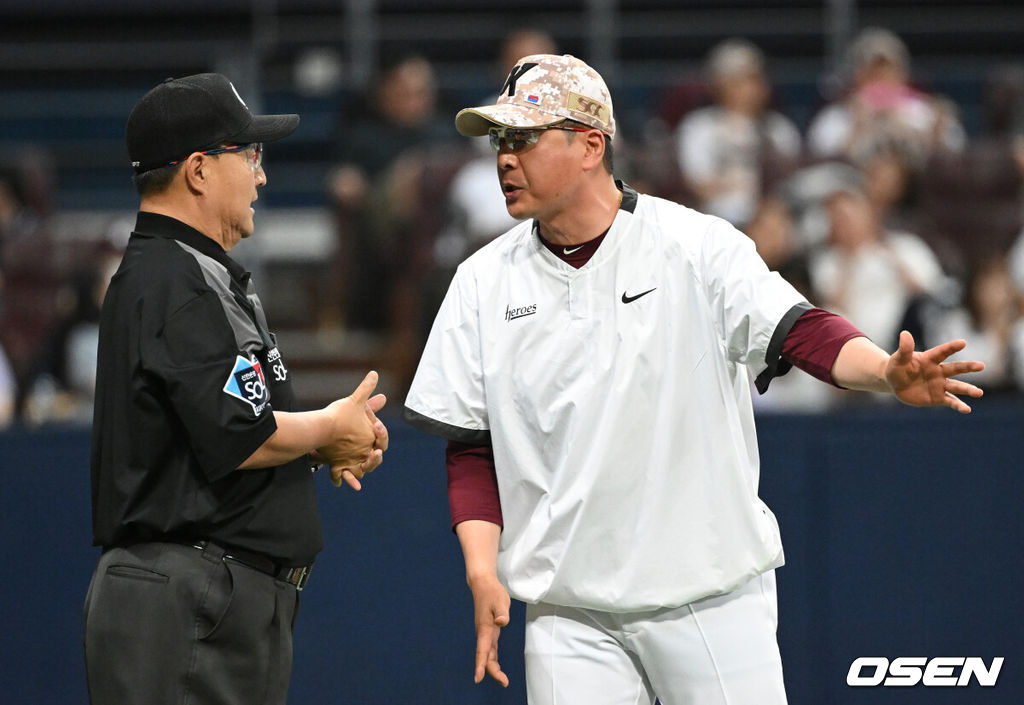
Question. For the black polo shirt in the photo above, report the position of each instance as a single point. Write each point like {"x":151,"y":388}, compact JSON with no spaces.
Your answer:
{"x":187,"y":383}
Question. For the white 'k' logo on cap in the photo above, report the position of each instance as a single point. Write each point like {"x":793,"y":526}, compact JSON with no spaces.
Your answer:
{"x":235,"y":91}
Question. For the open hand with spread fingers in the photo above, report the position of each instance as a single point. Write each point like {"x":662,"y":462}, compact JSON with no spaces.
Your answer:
{"x":926,"y":379}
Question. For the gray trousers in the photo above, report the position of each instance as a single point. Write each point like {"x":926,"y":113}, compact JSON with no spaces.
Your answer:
{"x":167,"y":624}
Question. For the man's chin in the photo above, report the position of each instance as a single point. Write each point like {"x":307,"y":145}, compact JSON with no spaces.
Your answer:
{"x":517,"y":211}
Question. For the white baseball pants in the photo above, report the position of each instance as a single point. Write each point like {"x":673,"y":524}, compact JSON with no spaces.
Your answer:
{"x":720,"y":650}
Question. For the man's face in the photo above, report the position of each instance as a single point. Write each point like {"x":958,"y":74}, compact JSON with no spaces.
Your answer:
{"x":538,"y":180}
{"x":234,"y":192}
{"x":409,"y":93}
{"x":852,"y":220}
{"x":746,"y":93}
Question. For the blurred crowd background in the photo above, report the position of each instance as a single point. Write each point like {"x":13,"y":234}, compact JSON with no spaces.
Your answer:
{"x":873,"y":150}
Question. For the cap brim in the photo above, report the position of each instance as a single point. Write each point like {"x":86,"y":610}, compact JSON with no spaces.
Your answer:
{"x":267,"y":128}
{"x":474,"y":122}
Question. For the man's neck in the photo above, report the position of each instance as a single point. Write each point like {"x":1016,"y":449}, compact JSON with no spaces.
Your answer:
{"x":589,"y":216}
{"x":190,"y":216}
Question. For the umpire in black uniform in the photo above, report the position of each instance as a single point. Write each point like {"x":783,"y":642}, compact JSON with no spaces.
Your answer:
{"x":203,"y":499}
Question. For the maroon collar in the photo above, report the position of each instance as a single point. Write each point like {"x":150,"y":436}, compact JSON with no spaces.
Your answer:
{"x":575,"y":255}
{"x":579,"y":255}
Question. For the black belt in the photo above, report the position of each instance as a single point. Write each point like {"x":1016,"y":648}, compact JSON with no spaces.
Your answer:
{"x":297,"y":576}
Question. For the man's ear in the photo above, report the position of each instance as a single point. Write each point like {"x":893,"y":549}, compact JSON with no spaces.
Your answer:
{"x":196,"y":172}
{"x":594,"y":154}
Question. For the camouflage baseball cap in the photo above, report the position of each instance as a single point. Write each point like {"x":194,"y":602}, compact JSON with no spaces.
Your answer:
{"x":542,"y":90}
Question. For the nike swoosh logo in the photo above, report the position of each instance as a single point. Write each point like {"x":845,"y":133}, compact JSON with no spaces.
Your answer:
{"x":630,"y":299}
{"x":567,"y":251}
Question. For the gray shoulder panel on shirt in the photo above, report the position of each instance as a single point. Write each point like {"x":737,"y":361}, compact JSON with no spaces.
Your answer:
{"x":247,"y":337}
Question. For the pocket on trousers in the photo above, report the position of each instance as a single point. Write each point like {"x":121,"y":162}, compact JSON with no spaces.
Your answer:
{"x":134,"y":572}
{"x":216,"y":602}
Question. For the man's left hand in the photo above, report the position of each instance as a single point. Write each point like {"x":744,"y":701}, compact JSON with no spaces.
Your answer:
{"x":925,"y":379}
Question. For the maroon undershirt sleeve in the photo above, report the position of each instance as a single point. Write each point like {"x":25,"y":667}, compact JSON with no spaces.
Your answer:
{"x":814,"y":342}
{"x":472,"y":483}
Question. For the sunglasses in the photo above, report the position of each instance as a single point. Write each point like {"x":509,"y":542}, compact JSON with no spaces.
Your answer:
{"x":520,"y":139}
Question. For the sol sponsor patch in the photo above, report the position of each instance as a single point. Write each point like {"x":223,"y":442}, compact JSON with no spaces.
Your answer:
{"x":246,"y":382}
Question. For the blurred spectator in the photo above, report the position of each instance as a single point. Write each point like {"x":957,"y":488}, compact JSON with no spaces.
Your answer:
{"x":890,"y":183}
{"x":1015,"y":258}
{"x":882,"y":107}
{"x":385,"y":154}
{"x":1015,"y":261}
{"x":975,"y":199}
{"x":8,"y":383}
{"x":732,"y":151}
{"x":1003,"y":103}
{"x":28,"y":268}
{"x":872,"y":275}
{"x":992,"y":319}
{"x":400,"y":114}
{"x":18,"y":221}
{"x":805,"y":192}
{"x":62,"y":384}
{"x":775,"y":235}
{"x":8,"y":391}
{"x":8,"y":386}
{"x":476,"y":210}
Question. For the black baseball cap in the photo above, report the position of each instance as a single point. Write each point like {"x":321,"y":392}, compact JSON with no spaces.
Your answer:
{"x":185,"y":115}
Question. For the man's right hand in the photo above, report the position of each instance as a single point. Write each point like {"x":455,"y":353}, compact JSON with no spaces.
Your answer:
{"x":490,"y":606}
{"x":360,"y":437}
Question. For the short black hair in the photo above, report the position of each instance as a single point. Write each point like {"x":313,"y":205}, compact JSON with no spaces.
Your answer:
{"x":155,"y":181}
{"x":608,"y":160}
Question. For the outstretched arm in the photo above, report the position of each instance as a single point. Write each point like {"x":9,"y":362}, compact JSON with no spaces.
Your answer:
{"x":915,"y":378}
